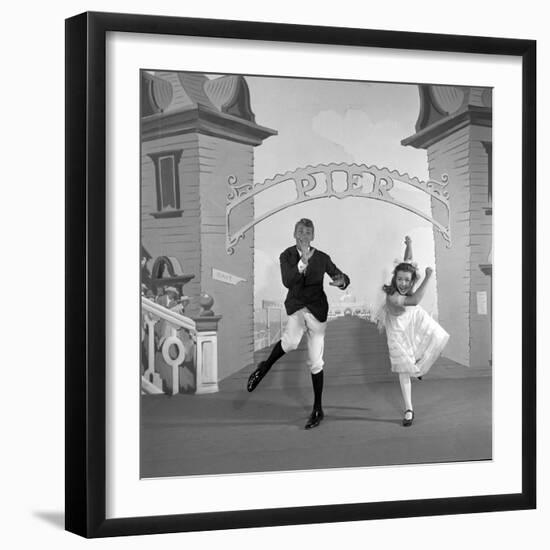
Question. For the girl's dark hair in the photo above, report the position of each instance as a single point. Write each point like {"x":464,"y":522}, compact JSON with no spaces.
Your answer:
{"x":407,"y":268}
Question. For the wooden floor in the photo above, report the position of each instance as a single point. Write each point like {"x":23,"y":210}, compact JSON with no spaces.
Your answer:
{"x":262,"y":431}
{"x":234,"y":431}
{"x":355,"y":353}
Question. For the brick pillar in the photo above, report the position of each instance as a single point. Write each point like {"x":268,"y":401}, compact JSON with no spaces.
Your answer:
{"x":454,"y":127}
{"x":220,"y":158}
{"x":210,"y":125}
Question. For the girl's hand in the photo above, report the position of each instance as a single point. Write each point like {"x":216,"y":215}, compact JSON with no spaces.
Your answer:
{"x":429,"y":271}
{"x":408,"y":240}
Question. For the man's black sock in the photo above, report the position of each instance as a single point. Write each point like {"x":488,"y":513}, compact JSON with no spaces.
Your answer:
{"x":317,"y":380}
{"x":276,"y":353}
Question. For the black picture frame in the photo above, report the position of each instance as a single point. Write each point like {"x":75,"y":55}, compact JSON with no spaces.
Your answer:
{"x":86,"y":273}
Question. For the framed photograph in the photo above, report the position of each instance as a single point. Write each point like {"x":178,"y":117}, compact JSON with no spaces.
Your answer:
{"x":281,"y":301}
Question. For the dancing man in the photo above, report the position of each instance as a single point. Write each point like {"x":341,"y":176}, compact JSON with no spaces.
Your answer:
{"x":303,"y":269}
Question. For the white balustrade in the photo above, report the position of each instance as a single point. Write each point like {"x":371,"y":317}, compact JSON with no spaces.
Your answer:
{"x":174,"y":350}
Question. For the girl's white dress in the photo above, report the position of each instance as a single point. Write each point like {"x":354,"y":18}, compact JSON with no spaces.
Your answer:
{"x":415,"y":339}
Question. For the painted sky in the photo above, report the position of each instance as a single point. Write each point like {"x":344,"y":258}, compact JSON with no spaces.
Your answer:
{"x":321,"y":121}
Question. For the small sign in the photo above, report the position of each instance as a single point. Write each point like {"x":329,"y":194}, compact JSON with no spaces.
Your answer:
{"x":269,"y":303}
{"x":481,"y":302}
{"x":224,"y":277}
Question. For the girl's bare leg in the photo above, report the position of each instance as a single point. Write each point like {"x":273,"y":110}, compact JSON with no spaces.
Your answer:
{"x":405,"y":383}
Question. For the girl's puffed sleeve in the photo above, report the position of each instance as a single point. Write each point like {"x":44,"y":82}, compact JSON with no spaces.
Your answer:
{"x":396,"y":299}
{"x":395,"y":303}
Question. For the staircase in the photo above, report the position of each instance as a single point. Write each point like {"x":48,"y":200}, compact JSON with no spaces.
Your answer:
{"x":179,"y":354}
{"x":355,"y":353}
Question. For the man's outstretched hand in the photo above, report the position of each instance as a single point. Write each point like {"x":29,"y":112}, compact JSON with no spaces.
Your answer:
{"x":338,"y":281}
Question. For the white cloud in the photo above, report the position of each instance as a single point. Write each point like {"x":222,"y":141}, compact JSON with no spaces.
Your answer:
{"x":369,"y":142}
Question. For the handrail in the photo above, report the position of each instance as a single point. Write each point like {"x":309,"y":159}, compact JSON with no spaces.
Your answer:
{"x":168,"y":315}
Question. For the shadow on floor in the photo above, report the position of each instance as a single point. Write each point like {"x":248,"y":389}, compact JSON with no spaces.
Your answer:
{"x":57,"y":519}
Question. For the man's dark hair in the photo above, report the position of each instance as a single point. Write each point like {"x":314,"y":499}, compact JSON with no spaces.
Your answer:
{"x":305,"y":222}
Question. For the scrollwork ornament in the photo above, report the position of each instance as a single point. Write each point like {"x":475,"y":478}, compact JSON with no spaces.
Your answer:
{"x":243,"y":189}
{"x":233,"y":242}
{"x":231,"y":181}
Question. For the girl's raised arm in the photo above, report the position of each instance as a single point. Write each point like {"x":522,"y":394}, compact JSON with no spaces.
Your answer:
{"x":418,"y":294}
{"x":408,"y":256}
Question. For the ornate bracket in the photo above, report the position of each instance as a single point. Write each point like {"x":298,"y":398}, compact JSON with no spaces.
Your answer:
{"x":317,"y":182}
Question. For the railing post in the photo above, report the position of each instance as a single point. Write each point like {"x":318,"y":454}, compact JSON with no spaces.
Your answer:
{"x":177,"y":361}
{"x":207,"y":354}
{"x":150,"y":374}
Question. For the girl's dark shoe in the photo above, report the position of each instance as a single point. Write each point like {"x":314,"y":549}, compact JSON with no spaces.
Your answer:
{"x":408,"y":421}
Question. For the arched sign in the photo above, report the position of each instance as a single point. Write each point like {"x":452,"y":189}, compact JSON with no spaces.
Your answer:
{"x":340,"y":181}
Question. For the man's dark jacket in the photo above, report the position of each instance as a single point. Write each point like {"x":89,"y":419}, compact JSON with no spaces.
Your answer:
{"x":306,"y":289}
